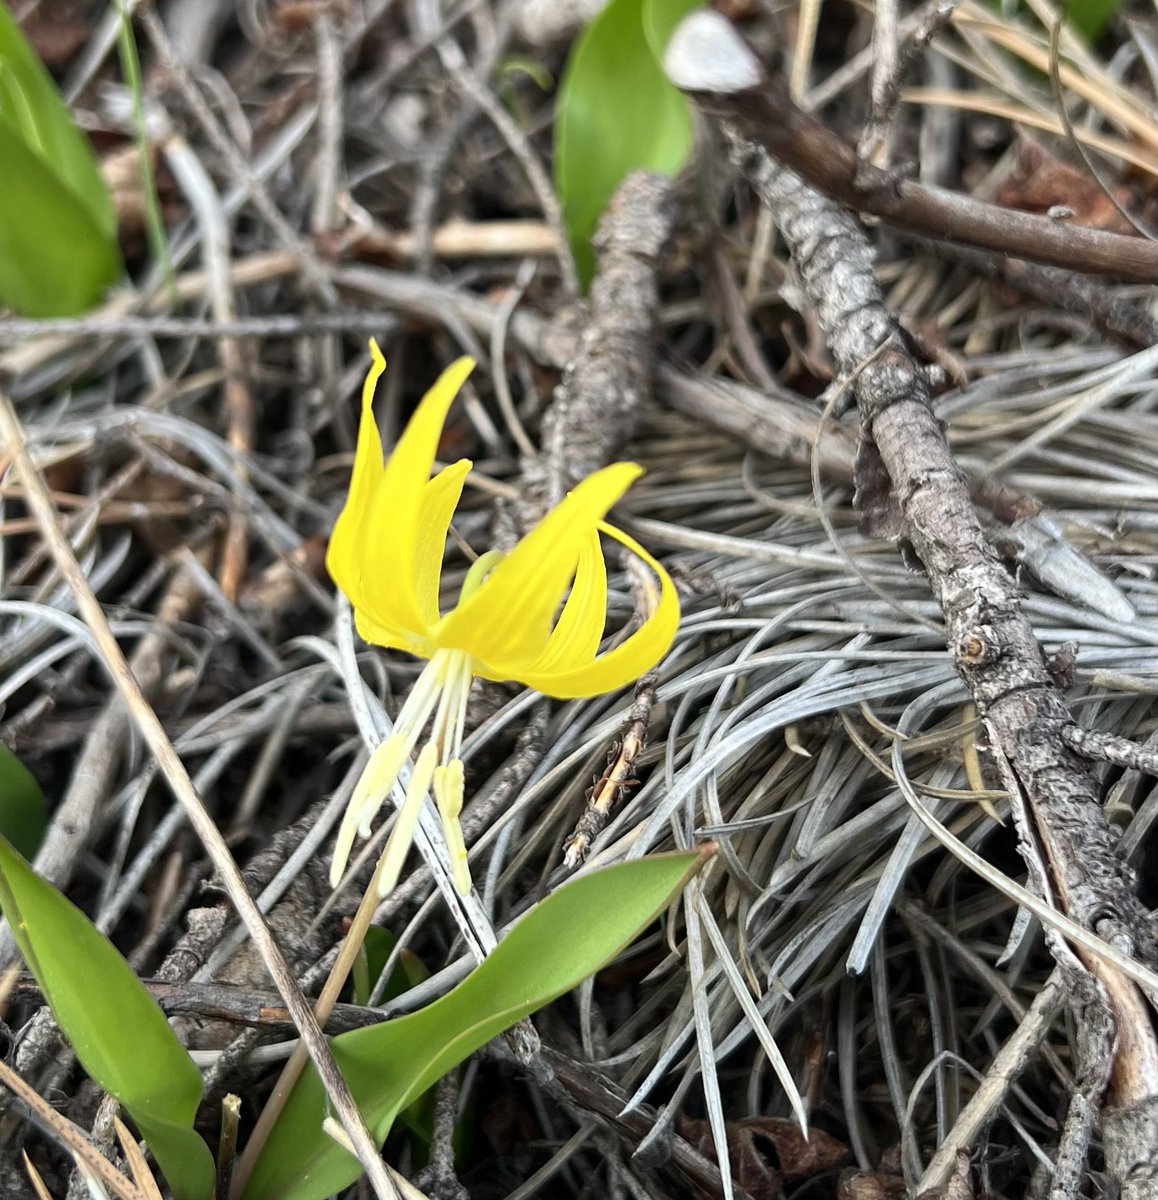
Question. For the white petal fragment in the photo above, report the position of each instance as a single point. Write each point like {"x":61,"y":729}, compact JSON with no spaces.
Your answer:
{"x":707,"y":54}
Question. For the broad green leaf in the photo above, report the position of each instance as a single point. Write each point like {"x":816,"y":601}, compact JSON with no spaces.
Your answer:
{"x":31,"y":106}
{"x":376,"y":948}
{"x":21,"y":805}
{"x":119,"y":1034}
{"x":53,"y":259}
{"x":58,"y":248}
{"x":615,"y":113}
{"x":409,"y":970}
{"x":551,"y":950}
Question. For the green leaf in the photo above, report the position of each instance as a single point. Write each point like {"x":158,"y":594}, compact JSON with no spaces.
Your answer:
{"x":119,"y":1034}
{"x":21,"y":805}
{"x":551,"y":950}
{"x":660,"y":17}
{"x":1087,"y":17}
{"x":1091,"y":17}
{"x":58,"y":248}
{"x":615,"y":113}
{"x":30,"y":104}
{"x":54,"y":261}
{"x":374,"y":953}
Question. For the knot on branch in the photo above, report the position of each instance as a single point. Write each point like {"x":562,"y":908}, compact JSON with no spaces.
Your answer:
{"x":889,"y":378}
{"x":1041,"y":736}
{"x":979,"y":646}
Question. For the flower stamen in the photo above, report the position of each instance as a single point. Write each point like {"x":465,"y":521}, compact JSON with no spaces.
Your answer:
{"x":442,"y":690}
{"x":449,"y":789}
{"x":402,"y":834}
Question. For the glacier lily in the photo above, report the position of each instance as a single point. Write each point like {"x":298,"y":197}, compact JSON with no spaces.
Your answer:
{"x":386,"y":555}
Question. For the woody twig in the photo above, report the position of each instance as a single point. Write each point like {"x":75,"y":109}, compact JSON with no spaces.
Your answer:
{"x":904,"y":458}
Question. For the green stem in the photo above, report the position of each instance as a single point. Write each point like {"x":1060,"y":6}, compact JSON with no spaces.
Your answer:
{"x":131,"y":69}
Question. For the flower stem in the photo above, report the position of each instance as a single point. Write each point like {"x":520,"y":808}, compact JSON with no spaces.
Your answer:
{"x":335,"y":981}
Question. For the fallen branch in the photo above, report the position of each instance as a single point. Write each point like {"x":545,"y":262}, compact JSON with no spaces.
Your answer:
{"x":762,"y":111}
{"x":1071,"y":851}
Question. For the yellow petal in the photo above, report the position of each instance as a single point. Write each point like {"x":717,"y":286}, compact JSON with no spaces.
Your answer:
{"x":412,"y":459}
{"x":390,"y":636}
{"x":626,"y":662}
{"x":380,"y":543}
{"x":439,"y":500}
{"x":507,"y":623}
{"x":344,"y":557}
{"x":579,"y":630}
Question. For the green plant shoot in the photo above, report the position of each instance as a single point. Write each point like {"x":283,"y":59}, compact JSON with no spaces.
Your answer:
{"x":616,"y":113}
{"x":119,"y":1034}
{"x":58,"y":243}
{"x":22,"y":816}
{"x":560,"y":942}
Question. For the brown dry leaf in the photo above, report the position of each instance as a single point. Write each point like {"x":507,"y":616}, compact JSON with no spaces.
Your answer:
{"x":875,"y":502}
{"x":1041,"y":182}
{"x":296,"y":16}
{"x":766,"y":1152}
{"x":57,"y":29}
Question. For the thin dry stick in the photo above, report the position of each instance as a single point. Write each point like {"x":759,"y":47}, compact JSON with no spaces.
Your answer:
{"x":183,"y":790}
{"x":323,"y":1007}
{"x":235,"y":160}
{"x":458,"y":239}
{"x":194,"y":181}
{"x":142,"y":1176}
{"x":874,"y":139}
{"x":327,"y":164}
{"x":101,"y":754}
{"x":764,"y":112}
{"x":619,"y":774}
{"x":68,"y":1135}
{"x":521,"y":148}
{"x":608,"y":377}
{"x":1007,"y":1067}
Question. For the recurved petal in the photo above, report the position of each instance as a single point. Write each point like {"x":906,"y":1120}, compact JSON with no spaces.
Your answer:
{"x":439,"y":500}
{"x":627,"y":661}
{"x":390,"y":636}
{"x":369,"y":461}
{"x":579,"y":630}
{"x":344,"y":559}
{"x":381,"y":551}
{"x":507,"y":623}
{"x":412,"y":458}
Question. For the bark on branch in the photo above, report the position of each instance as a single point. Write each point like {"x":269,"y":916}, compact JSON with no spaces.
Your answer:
{"x":761,"y":109}
{"x":1071,"y":851}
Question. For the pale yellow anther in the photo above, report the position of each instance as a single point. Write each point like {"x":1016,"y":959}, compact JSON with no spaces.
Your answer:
{"x":375,"y":784}
{"x":449,"y":789}
{"x":377,"y":781}
{"x":402,"y":835}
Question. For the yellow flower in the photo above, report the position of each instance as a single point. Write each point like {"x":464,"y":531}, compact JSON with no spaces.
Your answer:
{"x":386,"y":555}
